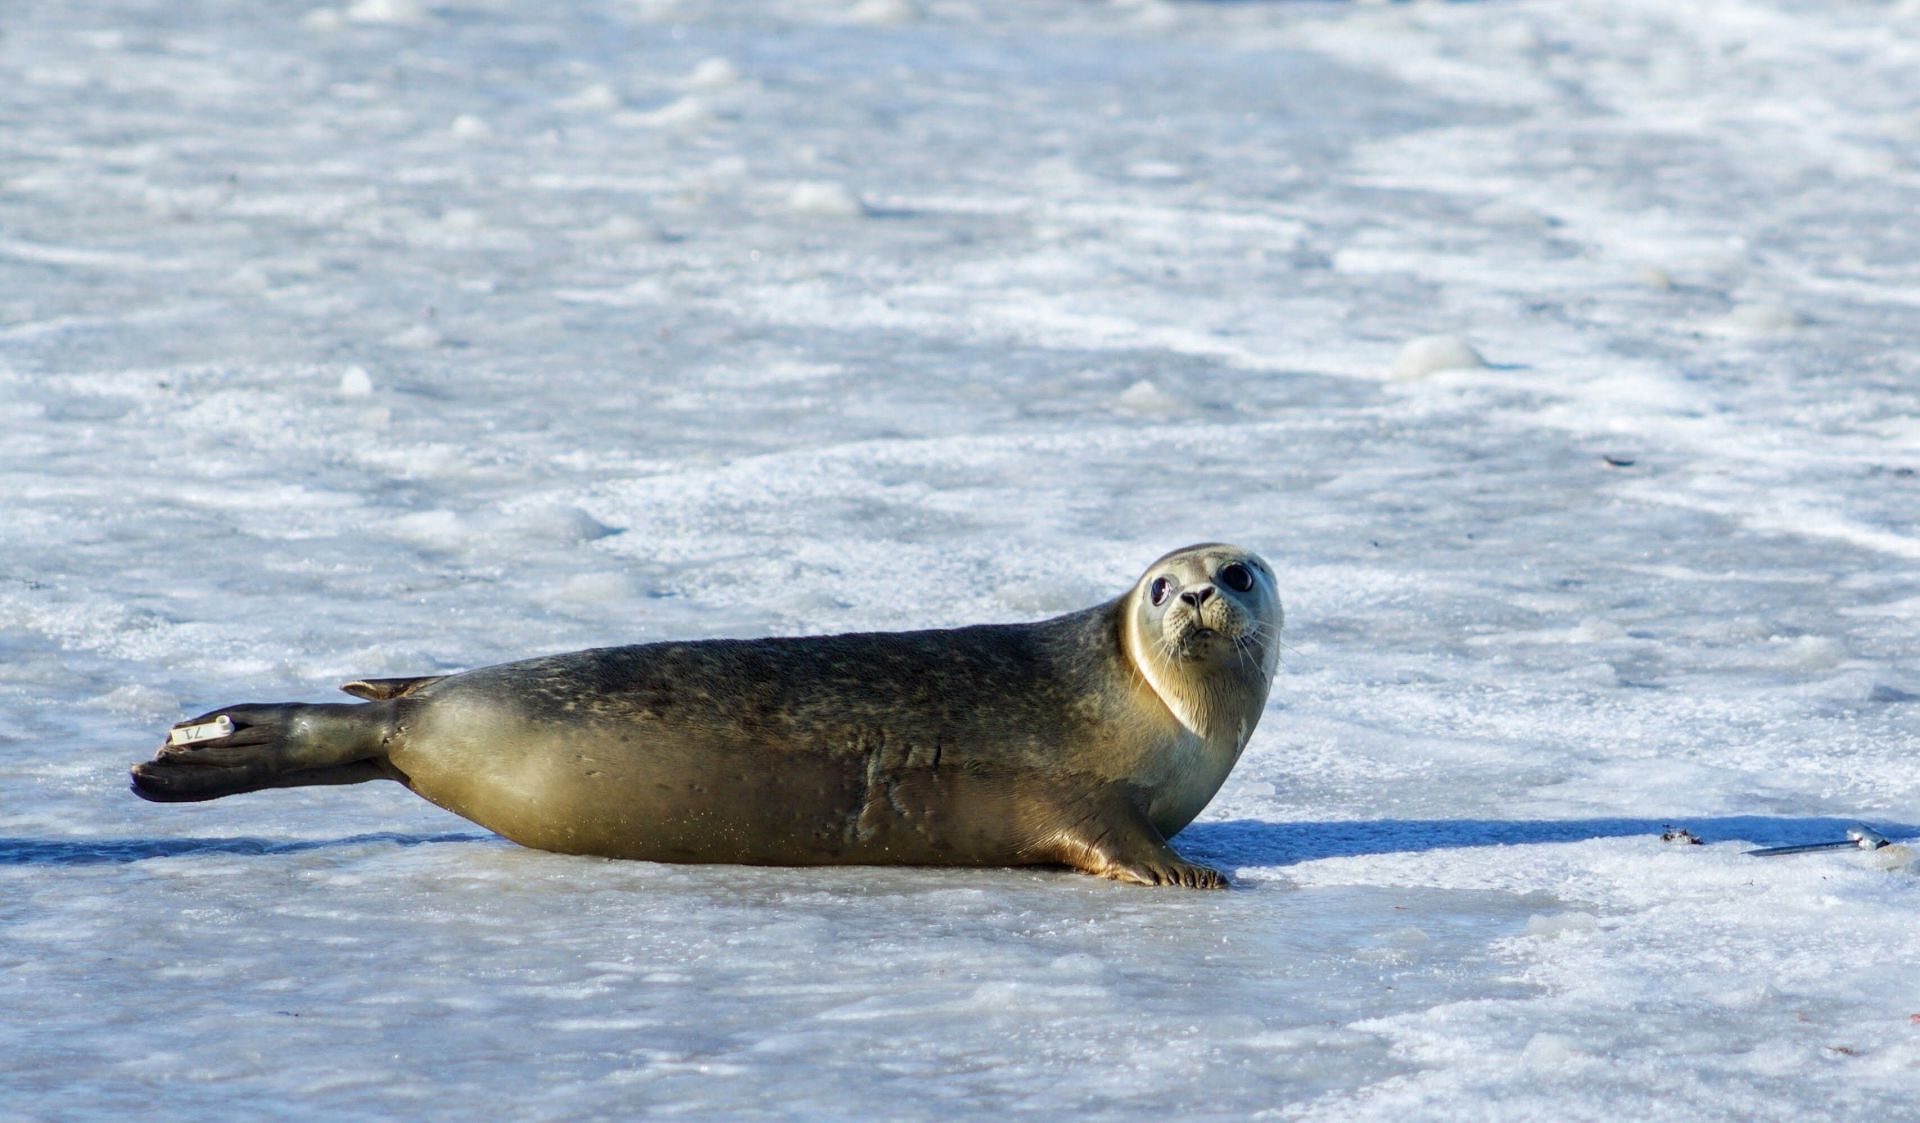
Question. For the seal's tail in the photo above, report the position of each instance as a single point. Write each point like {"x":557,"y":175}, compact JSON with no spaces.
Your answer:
{"x":285,"y":745}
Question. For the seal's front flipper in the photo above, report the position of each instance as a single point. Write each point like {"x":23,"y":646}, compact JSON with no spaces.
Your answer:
{"x":251,"y":747}
{"x":1116,"y":840}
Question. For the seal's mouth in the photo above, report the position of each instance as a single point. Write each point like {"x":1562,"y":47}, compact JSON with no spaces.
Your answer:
{"x":1196,"y":640}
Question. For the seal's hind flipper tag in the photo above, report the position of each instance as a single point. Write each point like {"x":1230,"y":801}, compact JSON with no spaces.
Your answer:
{"x":221,"y":726}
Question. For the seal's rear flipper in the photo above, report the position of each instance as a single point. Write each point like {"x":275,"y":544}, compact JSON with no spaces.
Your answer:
{"x":251,"y":747}
{"x":168,"y":782}
{"x":381,"y":689}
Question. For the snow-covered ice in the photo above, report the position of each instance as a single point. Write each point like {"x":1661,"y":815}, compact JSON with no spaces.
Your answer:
{"x":383,"y":337}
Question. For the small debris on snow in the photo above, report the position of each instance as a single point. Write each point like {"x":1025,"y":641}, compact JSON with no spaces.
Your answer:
{"x":1803,"y":653}
{"x":1593,"y":629}
{"x":620,"y":228}
{"x":420,"y":337}
{"x":1433,"y":353}
{"x":324,"y":19}
{"x":713,"y":74}
{"x":1509,"y":215}
{"x":355,"y":382}
{"x":1516,"y":37}
{"x":1601,"y":674}
{"x":387,"y":11}
{"x":433,"y":530}
{"x":1551,"y":1051}
{"x":1162,"y":170}
{"x":1155,"y":16}
{"x":726,"y":168}
{"x":828,"y":200}
{"x":559,"y":523}
{"x":1144,"y":397}
{"x":1759,"y":318}
{"x":1555,"y":924}
{"x":594,"y":588}
{"x":879,"y":13}
{"x":681,"y":112}
{"x":598,"y":96}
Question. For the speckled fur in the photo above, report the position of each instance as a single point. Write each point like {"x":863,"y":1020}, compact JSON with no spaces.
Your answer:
{"x":992,"y":745}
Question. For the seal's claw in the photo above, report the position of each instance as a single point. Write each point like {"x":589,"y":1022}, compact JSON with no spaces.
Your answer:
{"x":1186,"y":875}
{"x":1203,"y":877}
{"x":1116,"y":840}
{"x":1191,"y":875}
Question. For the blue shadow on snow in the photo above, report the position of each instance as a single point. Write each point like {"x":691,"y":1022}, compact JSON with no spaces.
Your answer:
{"x":1254,"y":842}
{"x":105,"y":851}
{"x":1243,"y":842}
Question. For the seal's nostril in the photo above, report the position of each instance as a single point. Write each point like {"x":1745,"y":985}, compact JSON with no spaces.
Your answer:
{"x":1197,"y":597}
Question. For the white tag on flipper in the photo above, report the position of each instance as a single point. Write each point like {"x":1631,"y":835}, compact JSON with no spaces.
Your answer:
{"x":221,"y":726}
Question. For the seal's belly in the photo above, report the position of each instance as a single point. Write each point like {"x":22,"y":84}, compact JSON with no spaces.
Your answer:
{"x":631,"y":790}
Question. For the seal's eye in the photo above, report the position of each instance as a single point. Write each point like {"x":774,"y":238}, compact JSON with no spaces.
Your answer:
{"x":1236,"y":577}
{"x":1159,"y":589}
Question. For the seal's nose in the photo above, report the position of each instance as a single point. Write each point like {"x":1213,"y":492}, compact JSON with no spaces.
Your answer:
{"x":1197,"y":596}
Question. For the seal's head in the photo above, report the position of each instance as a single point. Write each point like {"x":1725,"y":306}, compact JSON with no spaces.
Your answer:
{"x":1203,"y":625}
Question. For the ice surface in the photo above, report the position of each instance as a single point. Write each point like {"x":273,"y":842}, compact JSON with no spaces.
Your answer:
{"x":384,"y":338}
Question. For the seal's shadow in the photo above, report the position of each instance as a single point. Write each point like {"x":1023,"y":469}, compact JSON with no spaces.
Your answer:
{"x":1253,"y":842}
{"x":107,"y":851}
{"x":1236,"y":842}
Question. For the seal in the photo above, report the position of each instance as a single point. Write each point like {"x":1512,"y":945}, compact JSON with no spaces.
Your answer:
{"x":1086,"y":740}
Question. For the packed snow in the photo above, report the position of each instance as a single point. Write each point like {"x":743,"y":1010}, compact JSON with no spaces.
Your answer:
{"x":393,"y":337}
